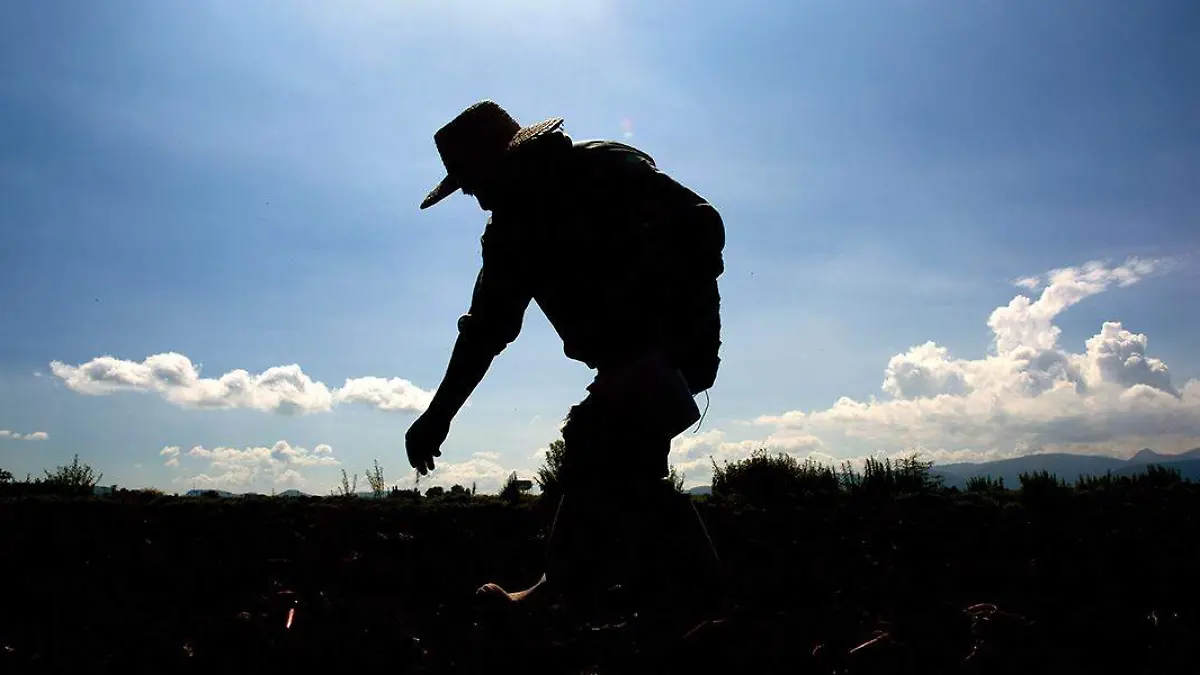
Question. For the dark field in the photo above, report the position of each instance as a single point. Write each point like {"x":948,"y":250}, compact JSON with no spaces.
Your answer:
{"x":1061,"y":581}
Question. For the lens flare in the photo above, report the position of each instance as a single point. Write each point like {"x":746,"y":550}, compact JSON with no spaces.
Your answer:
{"x":627,"y":127}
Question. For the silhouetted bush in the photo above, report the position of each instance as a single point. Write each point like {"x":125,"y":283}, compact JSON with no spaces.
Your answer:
{"x":548,"y":473}
{"x":906,"y":475}
{"x":675,"y":479}
{"x":1043,"y":489}
{"x":513,"y":488}
{"x":1157,"y":476}
{"x":770,"y":477}
{"x":75,"y":477}
{"x":348,"y":487}
{"x":376,"y":481}
{"x":985,"y":484}
{"x":1041,"y":482}
{"x":403,"y":495}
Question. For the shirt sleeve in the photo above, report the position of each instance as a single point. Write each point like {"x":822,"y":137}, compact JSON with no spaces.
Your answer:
{"x":500,"y":297}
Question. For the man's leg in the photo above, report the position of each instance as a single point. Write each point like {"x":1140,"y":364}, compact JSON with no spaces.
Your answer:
{"x":631,"y":527}
{"x":580,"y":550}
{"x":584,"y":549}
{"x":676,"y":568}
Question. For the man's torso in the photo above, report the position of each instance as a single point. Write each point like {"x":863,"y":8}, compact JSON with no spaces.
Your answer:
{"x":591,"y":254}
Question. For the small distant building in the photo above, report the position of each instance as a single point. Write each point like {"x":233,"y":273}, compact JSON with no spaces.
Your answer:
{"x":524,"y":484}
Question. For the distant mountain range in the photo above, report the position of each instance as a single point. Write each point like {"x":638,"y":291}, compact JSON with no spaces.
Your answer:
{"x":226,"y":494}
{"x":1066,"y":466}
{"x":285,"y":493}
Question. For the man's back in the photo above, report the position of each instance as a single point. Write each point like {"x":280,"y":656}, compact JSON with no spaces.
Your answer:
{"x":616,"y":253}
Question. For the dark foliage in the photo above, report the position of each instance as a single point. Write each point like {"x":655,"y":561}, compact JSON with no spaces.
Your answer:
{"x":985,"y":484}
{"x":832,"y":578}
{"x":548,"y":472}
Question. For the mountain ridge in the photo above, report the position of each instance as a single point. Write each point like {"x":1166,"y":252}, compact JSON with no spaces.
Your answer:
{"x":1067,"y":466}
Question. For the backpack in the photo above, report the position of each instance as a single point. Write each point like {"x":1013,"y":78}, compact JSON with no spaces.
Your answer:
{"x":682,"y":240}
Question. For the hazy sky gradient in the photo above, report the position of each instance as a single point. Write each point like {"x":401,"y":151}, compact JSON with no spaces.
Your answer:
{"x":237,"y":183}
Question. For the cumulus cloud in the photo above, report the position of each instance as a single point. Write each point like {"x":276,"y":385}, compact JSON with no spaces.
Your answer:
{"x":171,"y":452}
{"x":694,"y":454}
{"x":389,"y":395}
{"x":260,"y":466}
{"x":483,"y":469}
{"x":31,"y":436}
{"x":281,"y":389}
{"x":1027,"y":394}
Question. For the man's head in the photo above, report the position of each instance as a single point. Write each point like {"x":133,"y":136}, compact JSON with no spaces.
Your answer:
{"x":479,"y":148}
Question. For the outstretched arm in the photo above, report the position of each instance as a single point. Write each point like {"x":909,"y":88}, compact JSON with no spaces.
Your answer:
{"x":494,"y":320}
{"x":468,"y":364}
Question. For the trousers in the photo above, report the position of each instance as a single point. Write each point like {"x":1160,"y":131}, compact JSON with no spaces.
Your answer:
{"x":619,"y":436}
{"x":616,"y":508}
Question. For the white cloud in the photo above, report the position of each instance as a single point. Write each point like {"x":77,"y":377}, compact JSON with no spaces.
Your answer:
{"x":1027,"y":394}
{"x":694,"y":454}
{"x":171,"y":452}
{"x":281,"y":389}
{"x":385,"y":394}
{"x":31,"y":436}
{"x":483,"y":469}
{"x":259,"y":466}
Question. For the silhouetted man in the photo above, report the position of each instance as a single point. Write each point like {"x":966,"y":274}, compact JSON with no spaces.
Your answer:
{"x":623,"y":260}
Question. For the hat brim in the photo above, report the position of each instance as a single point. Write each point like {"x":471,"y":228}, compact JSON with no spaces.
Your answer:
{"x":450,"y":184}
{"x":444,"y":189}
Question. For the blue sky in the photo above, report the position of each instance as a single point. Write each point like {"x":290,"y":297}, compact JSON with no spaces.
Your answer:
{"x":237,"y":183}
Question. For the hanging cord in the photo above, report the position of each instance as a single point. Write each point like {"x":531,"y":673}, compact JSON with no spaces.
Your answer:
{"x":706,"y":402}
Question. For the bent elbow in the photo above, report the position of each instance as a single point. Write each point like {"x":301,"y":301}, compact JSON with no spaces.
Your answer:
{"x":486,"y":336}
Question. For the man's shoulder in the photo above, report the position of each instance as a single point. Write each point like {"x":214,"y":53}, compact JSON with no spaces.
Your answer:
{"x":601,"y":151}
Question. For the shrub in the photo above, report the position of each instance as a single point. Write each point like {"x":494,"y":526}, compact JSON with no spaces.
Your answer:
{"x":1042,"y":486}
{"x":348,"y":486}
{"x":764,"y":476}
{"x":1089,"y":482}
{"x":985,"y":484}
{"x":376,"y":481}
{"x":75,"y":477}
{"x":513,"y":488}
{"x":548,"y":473}
{"x":676,"y":480}
{"x":907,"y":475}
{"x":403,"y":495}
{"x":1157,"y":476}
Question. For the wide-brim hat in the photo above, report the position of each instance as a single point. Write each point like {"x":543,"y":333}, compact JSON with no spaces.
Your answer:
{"x":479,"y":136}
